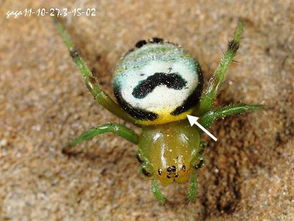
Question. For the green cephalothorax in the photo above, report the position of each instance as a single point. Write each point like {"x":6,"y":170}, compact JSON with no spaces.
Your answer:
{"x":157,"y":85}
{"x":170,"y":151}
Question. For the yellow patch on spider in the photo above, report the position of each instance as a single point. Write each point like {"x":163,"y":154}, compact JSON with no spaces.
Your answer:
{"x":165,"y":117}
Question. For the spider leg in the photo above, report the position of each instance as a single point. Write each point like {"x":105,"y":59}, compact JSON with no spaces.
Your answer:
{"x":115,"y":128}
{"x":208,"y":97}
{"x":100,"y":96}
{"x":156,"y":192}
{"x":192,"y":192}
{"x":209,"y":117}
{"x":197,"y":162}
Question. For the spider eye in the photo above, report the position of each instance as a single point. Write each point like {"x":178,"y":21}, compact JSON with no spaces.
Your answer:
{"x":171,"y":169}
{"x":145,"y":172}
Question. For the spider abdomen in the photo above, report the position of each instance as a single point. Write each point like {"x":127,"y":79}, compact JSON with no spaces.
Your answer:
{"x":157,"y":82}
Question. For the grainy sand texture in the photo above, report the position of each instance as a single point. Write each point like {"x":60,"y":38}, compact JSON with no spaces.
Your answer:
{"x":248,"y":173}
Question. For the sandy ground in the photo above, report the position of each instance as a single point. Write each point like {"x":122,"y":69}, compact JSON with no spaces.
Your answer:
{"x":248,"y":174}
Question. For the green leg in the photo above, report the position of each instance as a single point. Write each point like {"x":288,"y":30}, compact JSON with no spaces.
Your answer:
{"x":208,"y":97}
{"x":156,"y":192}
{"x":115,"y":128}
{"x":193,"y":187}
{"x":196,"y":163}
{"x":208,"y":118}
{"x":89,"y":79}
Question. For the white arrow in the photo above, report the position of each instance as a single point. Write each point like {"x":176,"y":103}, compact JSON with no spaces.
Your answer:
{"x":193,"y":120}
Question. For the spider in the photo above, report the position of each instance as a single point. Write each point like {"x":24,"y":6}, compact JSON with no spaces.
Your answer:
{"x":157,"y":84}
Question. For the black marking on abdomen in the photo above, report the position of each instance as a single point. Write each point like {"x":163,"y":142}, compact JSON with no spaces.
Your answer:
{"x":156,"y":40}
{"x":134,"y":112}
{"x":193,"y":99}
{"x":140,"y":43}
{"x":172,"y":80}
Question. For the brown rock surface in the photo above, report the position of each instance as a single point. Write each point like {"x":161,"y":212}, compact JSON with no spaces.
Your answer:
{"x":249,"y":173}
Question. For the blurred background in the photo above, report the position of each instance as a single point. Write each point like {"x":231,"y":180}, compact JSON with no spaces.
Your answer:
{"x":248,"y":173}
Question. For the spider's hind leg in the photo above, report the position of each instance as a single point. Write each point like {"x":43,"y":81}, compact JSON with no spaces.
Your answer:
{"x":99,"y":95}
{"x":115,"y":128}
{"x":208,"y":97}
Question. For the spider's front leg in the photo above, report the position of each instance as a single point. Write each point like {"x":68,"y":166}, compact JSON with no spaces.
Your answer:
{"x":197,"y":162}
{"x":148,"y":171}
{"x":115,"y":128}
{"x":100,"y":96}
{"x":156,"y":191}
{"x":192,"y":192}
